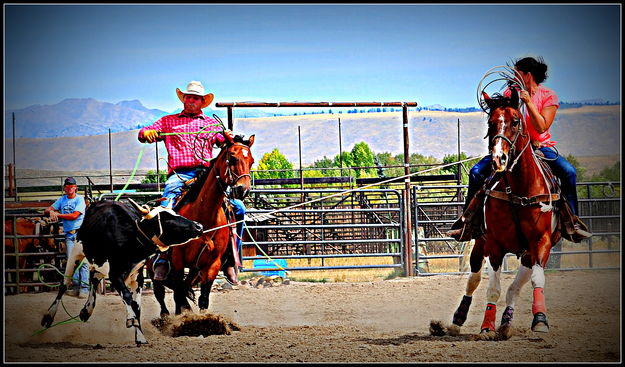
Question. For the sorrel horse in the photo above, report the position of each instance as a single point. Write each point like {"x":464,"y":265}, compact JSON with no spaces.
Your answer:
{"x":204,"y":204}
{"x":519,"y":218}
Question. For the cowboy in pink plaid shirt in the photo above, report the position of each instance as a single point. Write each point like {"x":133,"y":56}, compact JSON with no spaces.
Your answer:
{"x":184,"y":156}
{"x":186,"y":153}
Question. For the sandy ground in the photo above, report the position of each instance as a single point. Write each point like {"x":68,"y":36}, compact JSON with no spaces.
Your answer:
{"x":382,"y":321}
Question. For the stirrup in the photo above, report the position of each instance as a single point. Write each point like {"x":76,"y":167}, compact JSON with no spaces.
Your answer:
{"x":161,"y":275}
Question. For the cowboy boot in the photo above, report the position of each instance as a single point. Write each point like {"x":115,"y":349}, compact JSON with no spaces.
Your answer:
{"x":462,"y":229}
{"x":572,"y":228}
{"x":580,"y":230}
{"x":231,"y":275}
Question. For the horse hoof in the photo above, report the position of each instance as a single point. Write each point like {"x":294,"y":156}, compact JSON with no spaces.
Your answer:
{"x":505,"y":331}
{"x":84,"y":315}
{"x":437,"y":328}
{"x":540,"y":324}
{"x":540,"y":328}
{"x":46,"y":321}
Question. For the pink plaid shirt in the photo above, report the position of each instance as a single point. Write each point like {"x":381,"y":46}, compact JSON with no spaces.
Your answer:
{"x":180,"y":147}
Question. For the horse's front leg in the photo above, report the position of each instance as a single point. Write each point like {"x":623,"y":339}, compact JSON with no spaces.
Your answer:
{"x":492,"y":295}
{"x":159,"y":294}
{"x":476,"y":261}
{"x":207,"y":284}
{"x":522,"y":276}
{"x":205,"y":289}
{"x":539,"y":310}
{"x":181,"y":290}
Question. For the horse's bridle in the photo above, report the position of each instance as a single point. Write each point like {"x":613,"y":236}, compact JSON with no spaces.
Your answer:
{"x":512,"y":142}
{"x":232,"y":177}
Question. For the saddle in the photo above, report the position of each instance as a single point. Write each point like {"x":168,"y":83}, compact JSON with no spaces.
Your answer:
{"x":473,"y":224}
{"x":188,"y":186}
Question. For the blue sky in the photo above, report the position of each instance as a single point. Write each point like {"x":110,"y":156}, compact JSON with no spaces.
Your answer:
{"x":430,"y":54}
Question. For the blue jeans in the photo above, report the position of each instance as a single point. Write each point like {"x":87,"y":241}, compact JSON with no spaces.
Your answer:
{"x":173,"y":185}
{"x":559,"y":165}
{"x":81,"y":275}
{"x":239,"y":214}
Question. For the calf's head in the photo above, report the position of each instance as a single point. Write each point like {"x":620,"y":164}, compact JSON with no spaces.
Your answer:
{"x":165,"y":227}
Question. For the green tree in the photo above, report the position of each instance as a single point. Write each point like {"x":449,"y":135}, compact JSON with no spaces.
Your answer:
{"x":325,"y":162}
{"x":271,"y":161}
{"x":150,"y":177}
{"x":387,"y":159}
{"x":362,"y":156}
{"x":466,"y":166}
{"x":581,"y":171}
{"x":612,"y":173}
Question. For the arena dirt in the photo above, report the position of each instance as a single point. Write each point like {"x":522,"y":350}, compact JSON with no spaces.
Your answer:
{"x":382,"y":321}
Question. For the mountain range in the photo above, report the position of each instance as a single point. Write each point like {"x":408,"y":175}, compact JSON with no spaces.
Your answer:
{"x":87,"y":116}
{"x":584,"y":131}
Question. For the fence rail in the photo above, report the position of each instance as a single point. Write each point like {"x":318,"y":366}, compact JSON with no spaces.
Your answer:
{"x":364,"y":224}
{"x":600,"y":209}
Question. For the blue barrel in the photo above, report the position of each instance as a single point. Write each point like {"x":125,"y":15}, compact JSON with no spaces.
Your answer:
{"x":265,"y":263}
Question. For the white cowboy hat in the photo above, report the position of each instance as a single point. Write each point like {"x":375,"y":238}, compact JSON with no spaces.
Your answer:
{"x":196,"y":88}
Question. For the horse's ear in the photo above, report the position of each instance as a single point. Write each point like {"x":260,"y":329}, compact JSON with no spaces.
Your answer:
{"x":251,"y":141}
{"x":514,"y":99}
{"x":229,"y":140}
{"x":488,"y":100}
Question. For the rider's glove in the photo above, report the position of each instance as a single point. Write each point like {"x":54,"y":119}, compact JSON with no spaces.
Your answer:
{"x":150,"y":135}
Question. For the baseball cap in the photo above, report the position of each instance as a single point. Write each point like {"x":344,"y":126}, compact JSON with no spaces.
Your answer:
{"x":69,"y":181}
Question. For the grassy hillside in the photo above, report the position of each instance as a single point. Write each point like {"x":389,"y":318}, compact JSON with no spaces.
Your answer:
{"x":590,"y":131}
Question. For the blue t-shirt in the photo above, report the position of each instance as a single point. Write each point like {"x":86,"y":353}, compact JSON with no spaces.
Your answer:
{"x":68,"y":206}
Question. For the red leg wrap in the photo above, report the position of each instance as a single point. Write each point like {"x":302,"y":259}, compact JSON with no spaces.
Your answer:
{"x":489,"y":317}
{"x":539,"y":301}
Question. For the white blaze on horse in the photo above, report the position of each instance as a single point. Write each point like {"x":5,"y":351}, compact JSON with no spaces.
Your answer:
{"x":116,"y":241}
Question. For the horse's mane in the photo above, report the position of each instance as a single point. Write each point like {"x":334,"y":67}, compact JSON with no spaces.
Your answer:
{"x":194,"y":191}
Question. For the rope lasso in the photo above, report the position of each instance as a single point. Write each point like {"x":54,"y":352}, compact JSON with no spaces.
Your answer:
{"x":71,"y":319}
{"x":342,"y":193}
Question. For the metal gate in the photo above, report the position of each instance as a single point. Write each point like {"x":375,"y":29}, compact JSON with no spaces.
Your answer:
{"x":436,"y":207}
{"x":326,"y":225}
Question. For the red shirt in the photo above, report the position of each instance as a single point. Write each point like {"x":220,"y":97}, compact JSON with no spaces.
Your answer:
{"x":543,"y":97}
{"x":184,"y":150}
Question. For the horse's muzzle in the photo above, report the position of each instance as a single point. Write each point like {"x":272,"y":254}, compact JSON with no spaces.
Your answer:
{"x":500,"y":162}
{"x":240,"y":191}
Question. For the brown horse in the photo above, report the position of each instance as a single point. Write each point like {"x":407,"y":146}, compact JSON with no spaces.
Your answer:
{"x":204,"y":203}
{"x":519,"y":218}
{"x":30,"y":226}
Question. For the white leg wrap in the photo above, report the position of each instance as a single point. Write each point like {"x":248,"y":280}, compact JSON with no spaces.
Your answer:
{"x":522,"y":276}
{"x":473,"y":282}
{"x":538,"y":276}
{"x":494,"y":285}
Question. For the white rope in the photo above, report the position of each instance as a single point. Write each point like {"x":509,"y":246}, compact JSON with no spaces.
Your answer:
{"x":343,"y":193}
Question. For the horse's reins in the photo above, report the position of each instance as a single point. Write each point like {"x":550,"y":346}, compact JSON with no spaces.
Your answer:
{"x":233,"y":177}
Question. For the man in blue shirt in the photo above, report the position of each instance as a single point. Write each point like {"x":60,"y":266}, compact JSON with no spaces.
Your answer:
{"x":71,"y":209}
